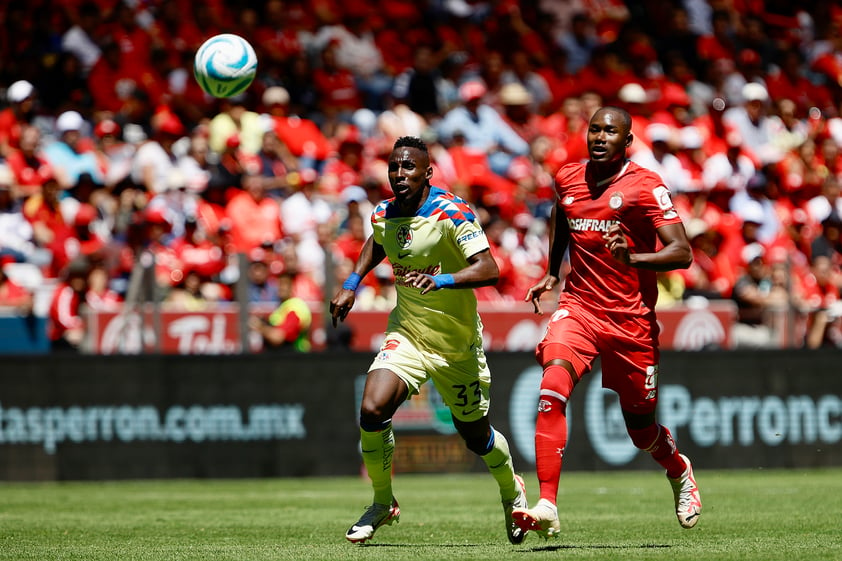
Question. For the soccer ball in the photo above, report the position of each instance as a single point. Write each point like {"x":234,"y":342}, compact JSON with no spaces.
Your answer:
{"x":225,"y":65}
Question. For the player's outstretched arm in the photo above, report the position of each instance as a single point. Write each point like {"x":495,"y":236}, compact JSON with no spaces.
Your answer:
{"x":371,"y":255}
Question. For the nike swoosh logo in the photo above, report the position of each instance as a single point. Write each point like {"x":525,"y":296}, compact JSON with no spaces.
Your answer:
{"x":404,"y":255}
{"x":469,"y":411}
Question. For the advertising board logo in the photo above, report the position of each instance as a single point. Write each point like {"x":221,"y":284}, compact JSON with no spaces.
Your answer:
{"x":605,"y":425}
{"x":697,"y":330}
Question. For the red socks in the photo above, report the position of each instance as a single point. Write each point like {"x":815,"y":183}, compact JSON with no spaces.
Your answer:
{"x":551,"y":429}
{"x":657,"y":440}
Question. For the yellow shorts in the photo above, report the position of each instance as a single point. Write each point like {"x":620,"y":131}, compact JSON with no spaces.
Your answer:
{"x":464,"y":385}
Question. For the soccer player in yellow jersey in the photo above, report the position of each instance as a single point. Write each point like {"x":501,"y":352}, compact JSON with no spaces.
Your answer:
{"x":439,"y":253}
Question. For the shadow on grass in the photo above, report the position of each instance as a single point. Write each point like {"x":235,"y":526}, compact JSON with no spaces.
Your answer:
{"x":531,"y":549}
{"x":598,"y":546}
{"x":416,"y":546}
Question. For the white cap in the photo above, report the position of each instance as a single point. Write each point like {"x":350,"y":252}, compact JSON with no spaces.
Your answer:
{"x":752,"y":251}
{"x":753,"y":91}
{"x":632,"y":93}
{"x":514,"y":93}
{"x":658,"y":132}
{"x":751,"y":211}
{"x":176,"y":179}
{"x":6,"y":176}
{"x":19,"y":91}
{"x":275,"y":95}
{"x":353,"y":193}
{"x":69,"y":121}
{"x":691,"y":137}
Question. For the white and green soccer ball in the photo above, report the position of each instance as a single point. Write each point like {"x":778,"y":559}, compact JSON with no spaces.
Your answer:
{"x":225,"y":65}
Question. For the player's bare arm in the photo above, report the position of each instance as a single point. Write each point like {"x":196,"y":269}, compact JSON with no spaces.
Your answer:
{"x":371,"y":255}
{"x":675,"y":253}
{"x":559,"y":236}
{"x":482,"y":270}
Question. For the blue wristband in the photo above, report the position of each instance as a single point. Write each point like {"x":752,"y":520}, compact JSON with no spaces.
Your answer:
{"x":443,"y":281}
{"x":352,"y":282}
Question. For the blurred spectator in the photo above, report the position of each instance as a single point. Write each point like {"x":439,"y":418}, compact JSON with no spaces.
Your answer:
{"x":80,"y":39}
{"x":50,"y":229}
{"x":175,"y":202}
{"x":755,"y":196}
{"x":731,"y":169}
{"x":719,"y":43}
{"x":710,"y":275}
{"x":100,"y":296}
{"x":828,"y":202}
{"x":195,"y":252}
{"x":167,"y":271}
{"x":261,"y":285}
{"x":801,"y":173}
{"x":236,"y":120}
{"x":336,"y":88}
{"x":193,"y":291}
{"x":417,"y":86}
{"x":254,"y":217}
{"x":788,"y":81}
{"x":20,"y":111}
{"x":521,"y":72}
{"x":519,"y":112}
{"x":155,"y":157}
{"x":225,"y":173}
{"x":301,"y":136}
{"x":196,"y":163}
{"x":114,"y":155}
{"x":483,"y":128}
{"x":71,"y":154}
{"x":287,"y":329}
{"x":822,"y":299}
{"x":113,"y":82}
{"x":357,"y":52}
{"x":12,"y":295}
{"x":275,"y":160}
{"x":276,"y":35}
{"x":751,"y":120}
{"x":349,"y":243}
{"x":346,"y":166}
{"x":85,"y":241}
{"x":660,"y":158}
{"x":15,"y":231}
{"x":757,"y":299}
{"x":66,"y":327}
{"x":579,"y":42}
{"x":28,"y":164}
{"x":828,"y":243}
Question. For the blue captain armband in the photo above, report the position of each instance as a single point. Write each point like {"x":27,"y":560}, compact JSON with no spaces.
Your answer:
{"x":352,"y":282}
{"x":443,"y":281}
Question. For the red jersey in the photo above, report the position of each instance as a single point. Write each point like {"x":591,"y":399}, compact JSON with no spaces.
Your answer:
{"x":639,"y":201}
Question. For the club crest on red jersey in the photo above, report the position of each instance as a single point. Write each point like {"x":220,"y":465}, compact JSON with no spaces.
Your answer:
{"x":615,"y":201}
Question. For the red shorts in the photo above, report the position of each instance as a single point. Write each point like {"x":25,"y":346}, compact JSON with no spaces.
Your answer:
{"x":627,"y":345}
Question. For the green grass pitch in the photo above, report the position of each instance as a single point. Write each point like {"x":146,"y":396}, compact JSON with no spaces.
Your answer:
{"x":753,"y":515}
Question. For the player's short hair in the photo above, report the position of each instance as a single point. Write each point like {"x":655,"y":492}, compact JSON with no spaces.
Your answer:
{"x":624,"y":115}
{"x":411,"y":142}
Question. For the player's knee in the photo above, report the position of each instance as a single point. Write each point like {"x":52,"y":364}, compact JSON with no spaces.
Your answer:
{"x":373,"y":413}
{"x":480,"y":445}
{"x":643,"y":438}
{"x":557,"y":383}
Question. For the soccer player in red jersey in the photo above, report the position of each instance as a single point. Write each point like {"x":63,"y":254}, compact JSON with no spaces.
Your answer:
{"x":617,"y":221}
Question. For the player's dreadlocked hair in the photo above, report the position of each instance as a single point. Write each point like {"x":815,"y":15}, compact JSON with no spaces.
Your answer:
{"x":411,"y":142}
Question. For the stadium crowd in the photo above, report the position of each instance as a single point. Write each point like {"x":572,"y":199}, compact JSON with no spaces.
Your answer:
{"x":109,"y":150}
